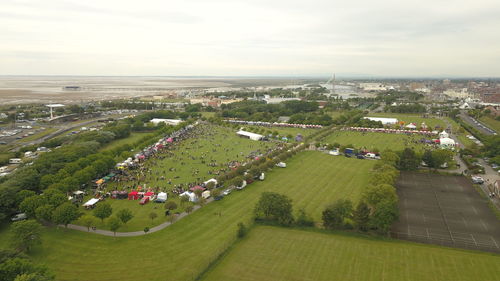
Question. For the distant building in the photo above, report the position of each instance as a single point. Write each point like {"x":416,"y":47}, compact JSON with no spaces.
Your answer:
{"x":372,"y":87}
{"x":460,"y":94}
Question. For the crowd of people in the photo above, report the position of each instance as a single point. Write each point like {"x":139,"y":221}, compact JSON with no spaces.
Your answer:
{"x":196,"y":155}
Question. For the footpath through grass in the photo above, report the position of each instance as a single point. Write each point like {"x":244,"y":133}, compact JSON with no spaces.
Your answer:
{"x":183,"y":250}
{"x":272,"y":253}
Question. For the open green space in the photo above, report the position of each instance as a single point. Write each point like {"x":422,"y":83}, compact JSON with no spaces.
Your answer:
{"x":134,"y":137}
{"x":282,"y":132}
{"x":490,"y":122}
{"x":413,"y":118}
{"x":380,"y":141}
{"x":271,"y":253}
{"x":182,"y":250}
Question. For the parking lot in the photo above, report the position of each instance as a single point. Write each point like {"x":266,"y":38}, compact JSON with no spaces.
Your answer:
{"x":445,"y":210}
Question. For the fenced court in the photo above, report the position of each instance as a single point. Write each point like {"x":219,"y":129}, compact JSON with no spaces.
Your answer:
{"x":445,"y":210}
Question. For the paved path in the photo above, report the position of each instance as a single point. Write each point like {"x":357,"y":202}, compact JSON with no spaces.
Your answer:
{"x":133,"y":233}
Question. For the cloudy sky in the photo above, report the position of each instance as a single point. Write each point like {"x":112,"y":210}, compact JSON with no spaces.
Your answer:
{"x":250,"y":38}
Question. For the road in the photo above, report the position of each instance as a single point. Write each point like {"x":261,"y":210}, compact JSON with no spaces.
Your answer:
{"x":489,"y":177}
{"x":476,"y":124}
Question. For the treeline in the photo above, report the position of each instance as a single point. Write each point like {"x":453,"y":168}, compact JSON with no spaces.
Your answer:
{"x":406,"y":108}
{"x":301,"y":112}
{"x":72,"y":165}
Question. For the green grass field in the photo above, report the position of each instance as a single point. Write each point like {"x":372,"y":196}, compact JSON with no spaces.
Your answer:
{"x":412,"y":118}
{"x":284,"y":131}
{"x":490,"y":122}
{"x":128,"y":140}
{"x":271,"y":253}
{"x":381,"y":141}
{"x":183,"y":250}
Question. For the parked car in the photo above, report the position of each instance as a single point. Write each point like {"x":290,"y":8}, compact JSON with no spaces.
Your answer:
{"x":477,"y":180}
{"x":226,"y":192}
{"x":19,"y":217}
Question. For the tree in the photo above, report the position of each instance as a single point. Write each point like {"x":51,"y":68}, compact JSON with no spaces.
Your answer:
{"x":334,"y":215}
{"x":390,"y":158}
{"x":124,"y":215}
{"x":427,"y":158}
{"x":152,"y":216}
{"x":103,"y":211}
{"x":171,"y":218}
{"x":215,"y":192}
{"x":374,"y":194}
{"x":303,"y":219}
{"x":22,"y":269}
{"x":114,"y":223}
{"x":184,"y":200}
{"x":44,"y":213}
{"x":440,"y":157}
{"x":385,"y":214}
{"x":189,"y":209}
{"x":409,"y":161}
{"x":361,"y":216}
{"x":65,"y":214}
{"x":25,"y":234}
{"x":88,"y":221}
{"x":30,"y":204}
{"x":171,"y":205}
{"x":274,"y":207}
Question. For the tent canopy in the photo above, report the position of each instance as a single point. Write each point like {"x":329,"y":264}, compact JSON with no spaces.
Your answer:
{"x":91,"y":202}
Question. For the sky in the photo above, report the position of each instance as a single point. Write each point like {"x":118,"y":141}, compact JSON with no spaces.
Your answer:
{"x":423,"y":38}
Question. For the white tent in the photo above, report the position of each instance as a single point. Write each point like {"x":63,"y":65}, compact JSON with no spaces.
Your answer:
{"x":91,"y":202}
{"x":411,"y":126}
{"x":250,"y":135}
{"x":190,"y":195}
{"x":446,"y":142}
{"x":211,"y":180}
{"x":162,"y":197}
{"x":443,"y":135}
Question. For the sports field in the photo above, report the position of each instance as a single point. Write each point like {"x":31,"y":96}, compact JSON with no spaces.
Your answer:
{"x":380,"y":141}
{"x":183,"y":250}
{"x":271,"y":253}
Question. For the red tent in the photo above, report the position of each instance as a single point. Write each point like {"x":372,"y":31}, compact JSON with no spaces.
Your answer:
{"x":133,"y":195}
{"x":196,"y":188}
{"x":149,"y":193}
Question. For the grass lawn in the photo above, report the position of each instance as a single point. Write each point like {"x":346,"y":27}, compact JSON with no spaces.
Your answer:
{"x":130,"y":139}
{"x":271,"y":253}
{"x":283,"y":132}
{"x":490,"y":122}
{"x":412,"y":118}
{"x":183,"y":250}
{"x":381,"y":141}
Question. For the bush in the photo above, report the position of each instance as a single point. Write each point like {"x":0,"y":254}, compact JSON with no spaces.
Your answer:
{"x":303,"y":219}
{"x":242,"y":230}
{"x":334,"y":215}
